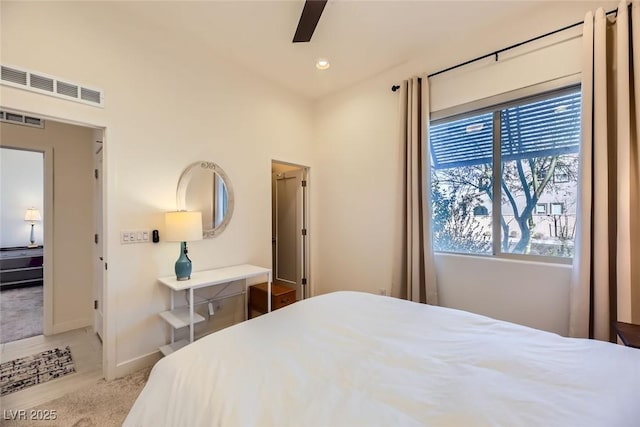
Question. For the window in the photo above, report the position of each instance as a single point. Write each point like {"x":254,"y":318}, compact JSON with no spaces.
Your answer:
{"x":526,"y":204}
{"x":541,"y":209}
{"x":557,"y":208}
{"x":560,"y":175}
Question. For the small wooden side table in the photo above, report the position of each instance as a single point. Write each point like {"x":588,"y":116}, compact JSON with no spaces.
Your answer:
{"x":281,"y":295}
{"x":629,"y":334}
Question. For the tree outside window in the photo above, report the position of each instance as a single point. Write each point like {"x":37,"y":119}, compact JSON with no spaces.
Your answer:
{"x":538,"y":166}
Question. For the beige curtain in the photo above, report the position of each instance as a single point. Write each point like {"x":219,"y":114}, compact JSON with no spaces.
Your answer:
{"x":605,"y":283}
{"x":418,"y":281}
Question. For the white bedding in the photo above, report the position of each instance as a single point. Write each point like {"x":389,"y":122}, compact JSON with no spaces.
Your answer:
{"x":355,"y":359}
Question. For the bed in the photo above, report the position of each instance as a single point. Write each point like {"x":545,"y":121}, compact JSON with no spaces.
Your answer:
{"x":356,"y":359}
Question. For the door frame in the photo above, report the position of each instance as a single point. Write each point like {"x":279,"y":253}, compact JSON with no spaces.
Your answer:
{"x":98,"y":228}
{"x":108,"y":339}
{"x":305,"y":247}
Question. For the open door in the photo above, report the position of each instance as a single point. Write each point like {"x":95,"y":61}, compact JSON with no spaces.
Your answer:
{"x":98,"y":247}
{"x":290,"y":227}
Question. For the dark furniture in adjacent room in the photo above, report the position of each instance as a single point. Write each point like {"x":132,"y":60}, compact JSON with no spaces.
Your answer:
{"x":20,"y":266}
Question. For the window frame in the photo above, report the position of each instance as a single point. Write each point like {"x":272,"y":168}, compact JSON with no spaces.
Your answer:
{"x":496,"y":208}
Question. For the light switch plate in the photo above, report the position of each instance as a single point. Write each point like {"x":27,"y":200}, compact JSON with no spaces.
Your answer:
{"x":134,"y":236}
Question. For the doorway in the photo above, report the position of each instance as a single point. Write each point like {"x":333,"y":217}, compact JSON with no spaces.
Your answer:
{"x":67,"y":220}
{"x":290,"y":230}
{"x":21,"y":244}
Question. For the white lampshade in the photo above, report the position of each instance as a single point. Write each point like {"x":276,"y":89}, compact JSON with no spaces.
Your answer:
{"x":32,"y":214}
{"x":183,"y":226}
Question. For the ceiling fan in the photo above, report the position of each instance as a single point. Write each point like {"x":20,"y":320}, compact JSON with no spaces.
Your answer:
{"x":311,"y":13}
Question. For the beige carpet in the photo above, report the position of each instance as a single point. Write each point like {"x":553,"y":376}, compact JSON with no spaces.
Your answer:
{"x":104,"y":404}
{"x":20,"y":313}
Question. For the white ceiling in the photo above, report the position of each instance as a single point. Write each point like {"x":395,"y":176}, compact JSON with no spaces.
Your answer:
{"x":361,"y":38}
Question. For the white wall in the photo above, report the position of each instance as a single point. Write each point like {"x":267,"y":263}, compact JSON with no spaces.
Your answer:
{"x":516,"y":69}
{"x":358,"y":184}
{"x":169,"y":101}
{"x":21,"y":187}
{"x":528,"y":293}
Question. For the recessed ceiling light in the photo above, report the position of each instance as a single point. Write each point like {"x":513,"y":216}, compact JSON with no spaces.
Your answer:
{"x":322,"y":64}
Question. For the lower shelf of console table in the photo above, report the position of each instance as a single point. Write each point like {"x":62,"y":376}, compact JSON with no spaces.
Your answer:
{"x":170,"y":348}
{"x":179,"y":317}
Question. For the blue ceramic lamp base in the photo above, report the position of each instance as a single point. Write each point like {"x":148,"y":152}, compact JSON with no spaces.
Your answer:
{"x":183,"y":264}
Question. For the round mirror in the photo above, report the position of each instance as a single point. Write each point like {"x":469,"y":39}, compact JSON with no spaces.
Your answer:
{"x":204,"y":187}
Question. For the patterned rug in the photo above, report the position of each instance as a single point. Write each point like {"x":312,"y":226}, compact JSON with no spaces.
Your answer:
{"x":38,"y":368}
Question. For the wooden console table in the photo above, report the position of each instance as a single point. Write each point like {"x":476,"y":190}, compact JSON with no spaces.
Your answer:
{"x":185,"y":316}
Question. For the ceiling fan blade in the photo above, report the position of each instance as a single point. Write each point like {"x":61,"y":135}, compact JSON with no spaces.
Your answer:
{"x":309,"y":20}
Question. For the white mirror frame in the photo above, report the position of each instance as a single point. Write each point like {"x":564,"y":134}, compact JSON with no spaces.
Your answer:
{"x":183,"y":185}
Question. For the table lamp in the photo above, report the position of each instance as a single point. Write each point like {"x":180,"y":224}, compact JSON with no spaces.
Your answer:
{"x":32,"y":215}
{"x":183,"y":227}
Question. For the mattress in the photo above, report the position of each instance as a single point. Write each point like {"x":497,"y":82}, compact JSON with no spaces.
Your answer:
{"x":356,"y":359}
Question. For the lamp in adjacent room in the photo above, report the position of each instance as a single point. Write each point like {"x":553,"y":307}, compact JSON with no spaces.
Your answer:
{"x":32,"y":215}
{"x":183,"y":227}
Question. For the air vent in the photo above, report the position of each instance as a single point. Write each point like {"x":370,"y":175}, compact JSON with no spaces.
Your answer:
{"x":21,"y":119}
{"x":90,"y":95}
{"x":67,"y":89}
{"x":32,"y":121}
{"x":49,"y":85}
{"x":41,"y":82}
{"x":14,"y":76}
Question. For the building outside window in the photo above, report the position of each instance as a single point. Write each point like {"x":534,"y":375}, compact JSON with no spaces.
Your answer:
{"x":526,"y":205}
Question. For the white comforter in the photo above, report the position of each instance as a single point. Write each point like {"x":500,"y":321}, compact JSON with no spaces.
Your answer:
{"x":355,"y":359}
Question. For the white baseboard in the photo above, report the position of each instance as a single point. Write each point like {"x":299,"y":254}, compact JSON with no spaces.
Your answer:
{"x":132,"y":365}
{"x":71,"y":325}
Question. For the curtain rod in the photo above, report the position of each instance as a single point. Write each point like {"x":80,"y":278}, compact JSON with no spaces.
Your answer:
{"x":496,"y":53}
